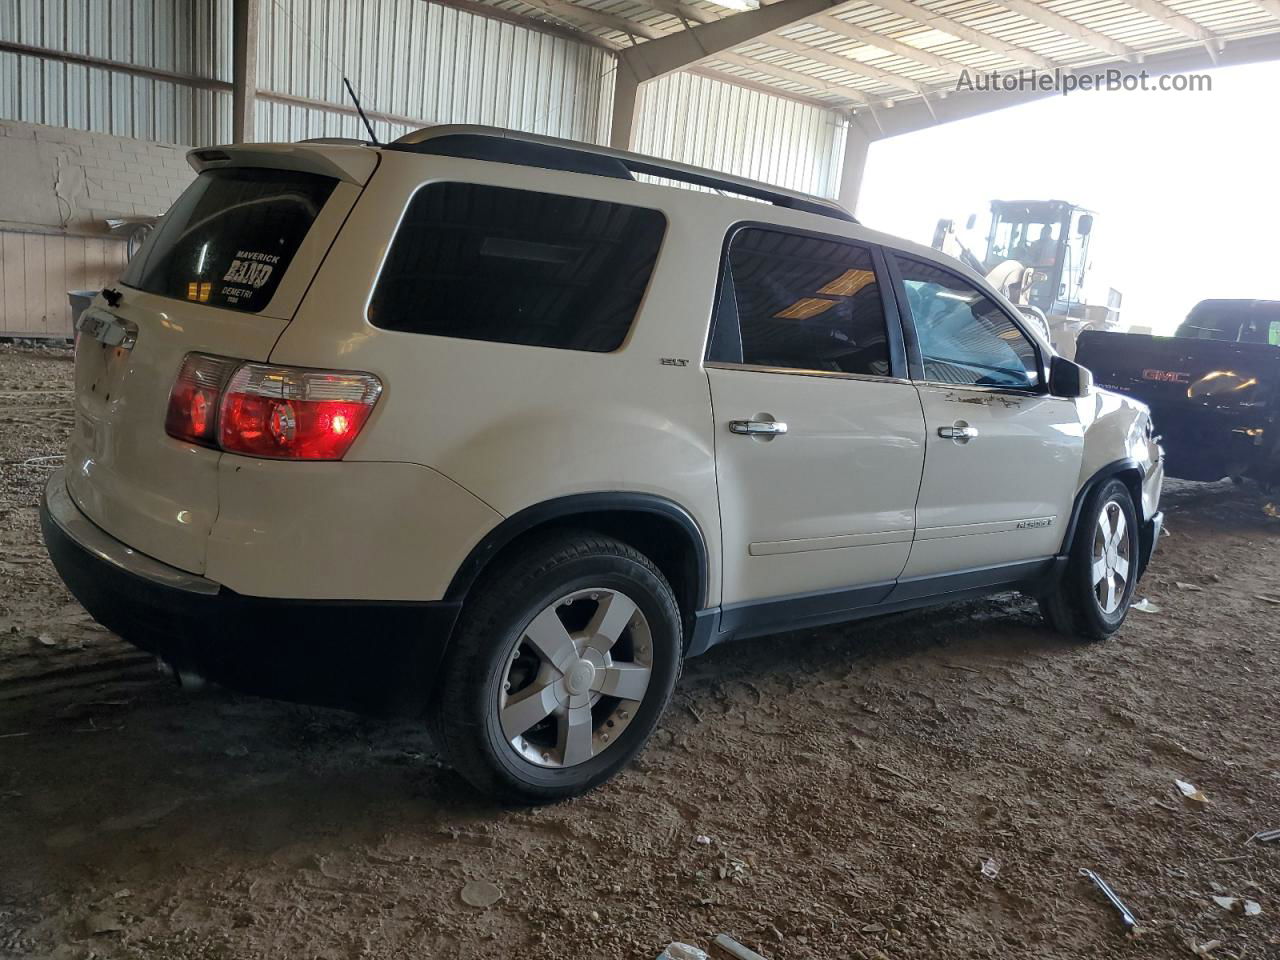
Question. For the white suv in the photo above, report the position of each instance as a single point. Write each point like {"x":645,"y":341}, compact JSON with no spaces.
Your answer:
{"x":479,"y":423}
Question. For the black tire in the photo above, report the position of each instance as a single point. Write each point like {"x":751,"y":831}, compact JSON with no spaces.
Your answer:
{"x":1073,"y":609}
{"x":489,"y":638}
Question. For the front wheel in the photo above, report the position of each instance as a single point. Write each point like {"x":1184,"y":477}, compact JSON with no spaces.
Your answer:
{"x":1093,"y":597}
{"x":560,"y":669}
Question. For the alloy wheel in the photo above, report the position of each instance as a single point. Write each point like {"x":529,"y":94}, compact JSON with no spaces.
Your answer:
{"x":1111,"y":561}
{"x":575,"y":678}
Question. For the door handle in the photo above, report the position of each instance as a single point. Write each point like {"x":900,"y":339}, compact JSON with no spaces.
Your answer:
{"x":959,"y":431}
{"x":757,"y":428}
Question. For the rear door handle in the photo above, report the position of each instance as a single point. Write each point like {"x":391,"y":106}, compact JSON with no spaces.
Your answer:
{"x":959,"y":431}
{"x":757,"y":428}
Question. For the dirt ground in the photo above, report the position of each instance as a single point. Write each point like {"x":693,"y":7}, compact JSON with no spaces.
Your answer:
{"x":851,"y":781}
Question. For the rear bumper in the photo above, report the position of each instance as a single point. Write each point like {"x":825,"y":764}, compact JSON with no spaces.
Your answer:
{"x":373,"y":656}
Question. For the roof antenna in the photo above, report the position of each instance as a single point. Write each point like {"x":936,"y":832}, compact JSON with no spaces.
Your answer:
{"x":373,"y":137}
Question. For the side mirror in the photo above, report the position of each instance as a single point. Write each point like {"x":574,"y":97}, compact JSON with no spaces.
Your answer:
{"x":1086,"y":224}
{"x":1068,"y":379}
{"x":973,"y":218}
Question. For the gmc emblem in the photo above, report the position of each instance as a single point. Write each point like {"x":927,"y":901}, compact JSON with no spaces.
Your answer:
{"x":1166,"y":376}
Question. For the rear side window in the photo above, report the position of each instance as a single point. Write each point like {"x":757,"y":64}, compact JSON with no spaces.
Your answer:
{"x":964,"y":337}
{"x":800,"y":302}
{"x":230,"y":237}
{"x":514,"y":266}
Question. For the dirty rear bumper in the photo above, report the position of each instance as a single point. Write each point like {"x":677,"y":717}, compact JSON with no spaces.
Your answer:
{"x":372,"y":656}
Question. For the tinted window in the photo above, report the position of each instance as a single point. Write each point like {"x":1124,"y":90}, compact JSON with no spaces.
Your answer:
{"x":801,"y":302}
{"x":491,"y":263}
{"x":964,"y":337}
{"x":230,"y":237}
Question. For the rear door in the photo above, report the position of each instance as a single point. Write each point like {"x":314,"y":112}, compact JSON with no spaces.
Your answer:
{"x":222,"y":274}
{"x":819,"y":436}
{"x":1002,"y":456}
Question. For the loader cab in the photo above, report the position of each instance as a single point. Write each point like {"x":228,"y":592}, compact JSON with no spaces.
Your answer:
{"x":1051,"y":237}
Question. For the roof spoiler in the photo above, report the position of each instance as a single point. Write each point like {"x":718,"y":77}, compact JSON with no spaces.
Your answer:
{"x":354,"y":164}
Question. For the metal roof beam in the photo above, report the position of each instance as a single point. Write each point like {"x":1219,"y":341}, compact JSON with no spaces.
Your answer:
{"x":1070,"y":28}
{"x":684,"y":11}
{"x":681,"y":49}
{"x":842,"y":63}
{"x":909,"y":10}
{"x":720,"y":76}
{"x":794,"y":76}
{"x":1157,"y":10}
{"x":911,"y":115}
{"x":835,"y":25}
{"x":1271,"y":6}
{"x":563,"y":10}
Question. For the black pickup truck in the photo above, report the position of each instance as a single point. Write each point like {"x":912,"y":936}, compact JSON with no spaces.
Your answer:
{"x":1213,"y":387}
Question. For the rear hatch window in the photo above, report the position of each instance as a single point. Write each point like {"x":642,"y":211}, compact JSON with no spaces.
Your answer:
{"x":230,"y":237}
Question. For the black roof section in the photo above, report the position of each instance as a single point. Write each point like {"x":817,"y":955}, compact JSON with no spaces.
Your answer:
{"x":525,"y":151}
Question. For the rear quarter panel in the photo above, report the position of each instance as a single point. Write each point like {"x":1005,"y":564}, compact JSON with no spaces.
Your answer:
{"x":516,"y":425}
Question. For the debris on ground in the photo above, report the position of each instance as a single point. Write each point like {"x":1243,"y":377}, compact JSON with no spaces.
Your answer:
{"x":724,"y":947}
{"x":682,"y":951}
{"x":1126,"y":916}
{"x":1267,"y":598}
{"x":1145,"y":606}
{"x":991,"y":868}
{"x":1204,"y":949}
{"x":481,"y":893}
{"x":1265,"y":836}
{"x":702,"y":840}
{"x":1183,"y":585}
{"x":1249,"y":908}
{"x":1191,"y":792}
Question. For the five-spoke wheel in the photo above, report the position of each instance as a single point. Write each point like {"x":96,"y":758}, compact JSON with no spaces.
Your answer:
{"x":1111,"y":563}
{"x":559,"y":668}
{"x":576,"y":675}
{"x":1092,"y":598}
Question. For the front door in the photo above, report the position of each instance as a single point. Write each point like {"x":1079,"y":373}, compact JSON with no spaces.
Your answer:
{"x":1002,"y":456}
{"x":819,"y":436}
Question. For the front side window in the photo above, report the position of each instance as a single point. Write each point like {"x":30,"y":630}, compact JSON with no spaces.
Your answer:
{"x":492,"y":263}
{"x":964,"y":337}
{"x":800,"y":302}
{"x":230,"y":237}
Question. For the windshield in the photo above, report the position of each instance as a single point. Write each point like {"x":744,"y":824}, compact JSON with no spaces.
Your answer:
{"x":1032,"y":242}
{"x":229,"y":238}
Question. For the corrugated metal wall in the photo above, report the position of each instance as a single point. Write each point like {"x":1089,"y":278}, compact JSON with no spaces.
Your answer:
{"x":698,"y":120}
{"x":426,"y":61}
{"x":190,"y":37}
{"x":408,"y":58}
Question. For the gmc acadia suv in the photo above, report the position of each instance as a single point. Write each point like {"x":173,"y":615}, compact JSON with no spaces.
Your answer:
{"x":478,"y":423}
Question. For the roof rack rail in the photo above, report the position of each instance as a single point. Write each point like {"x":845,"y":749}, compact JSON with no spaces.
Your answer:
{"x":531,"y":150}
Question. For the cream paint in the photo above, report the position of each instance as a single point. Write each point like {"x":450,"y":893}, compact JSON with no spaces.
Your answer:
{"x":467,"y":432}
{"x":1021,"y":466}
{"x":847,"y":468}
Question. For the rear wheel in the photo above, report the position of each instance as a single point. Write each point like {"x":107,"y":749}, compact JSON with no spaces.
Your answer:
{"x":560,"y":669}
{"x":1093,"y":597}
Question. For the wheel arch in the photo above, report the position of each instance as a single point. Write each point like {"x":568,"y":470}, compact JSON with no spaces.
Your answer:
{"x":1127,"y":470}
{"x":659,"y":528}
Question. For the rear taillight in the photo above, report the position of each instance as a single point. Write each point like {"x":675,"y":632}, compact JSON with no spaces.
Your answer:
{"x":194,"y":399}
{"x":294,"y":413}
{"x":261,"y":410}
